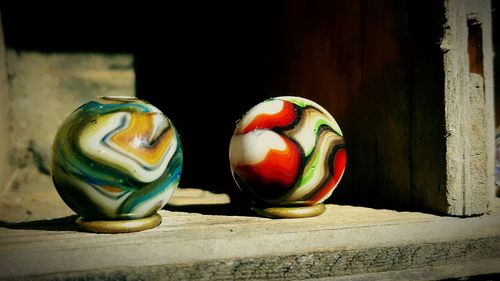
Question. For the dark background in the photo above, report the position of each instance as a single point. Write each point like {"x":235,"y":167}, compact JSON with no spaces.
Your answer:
{"x":200,"y":63}
{"x":205,"y":64}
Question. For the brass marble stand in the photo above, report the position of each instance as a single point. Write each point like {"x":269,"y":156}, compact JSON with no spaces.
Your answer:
{"x":119,"y":226}
{"x":291,"y":212}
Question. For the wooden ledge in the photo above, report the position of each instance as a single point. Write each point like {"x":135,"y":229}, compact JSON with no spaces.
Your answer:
{"x":345,"y":240}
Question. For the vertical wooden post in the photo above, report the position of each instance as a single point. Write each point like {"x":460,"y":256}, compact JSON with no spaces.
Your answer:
{"x":417,"y":115}
{"x":469,"y":110}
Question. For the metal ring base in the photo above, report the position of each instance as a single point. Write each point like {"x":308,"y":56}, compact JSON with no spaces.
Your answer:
{"x":291,"y":212}
{"x":119,"y":226}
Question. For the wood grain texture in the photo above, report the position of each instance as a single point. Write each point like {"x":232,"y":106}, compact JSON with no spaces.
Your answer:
{"x":377,"y":68}
{"x":469,"y":110}
{"x":345,"y":240}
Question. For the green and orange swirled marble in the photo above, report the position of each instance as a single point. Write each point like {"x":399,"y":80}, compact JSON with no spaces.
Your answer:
{"x":287,"y":151}
{"x":116,"y":158}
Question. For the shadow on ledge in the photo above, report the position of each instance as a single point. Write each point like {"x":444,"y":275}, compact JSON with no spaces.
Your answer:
{"x":68,"y":223}
{"x":227,"y":209}
{"x":59,"y":224}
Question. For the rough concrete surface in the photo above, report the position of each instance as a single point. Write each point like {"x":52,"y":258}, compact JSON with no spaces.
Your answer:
{"x":43,"y":89}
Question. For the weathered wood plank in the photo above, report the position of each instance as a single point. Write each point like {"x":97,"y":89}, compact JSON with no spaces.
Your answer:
{"x":345,"y":240}
{"x":469,"y":110}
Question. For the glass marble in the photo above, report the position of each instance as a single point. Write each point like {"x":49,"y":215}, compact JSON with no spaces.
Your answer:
{"x":116,"y":158}
{"x":287,"y":151}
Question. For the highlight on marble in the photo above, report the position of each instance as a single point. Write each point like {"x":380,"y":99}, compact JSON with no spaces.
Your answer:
{"x":287,"y":154}
{"x":116,"y":161}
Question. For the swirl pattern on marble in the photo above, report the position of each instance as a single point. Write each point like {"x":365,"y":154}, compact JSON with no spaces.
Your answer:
{"x":116,"y":158}
{"x":287,"y":151}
